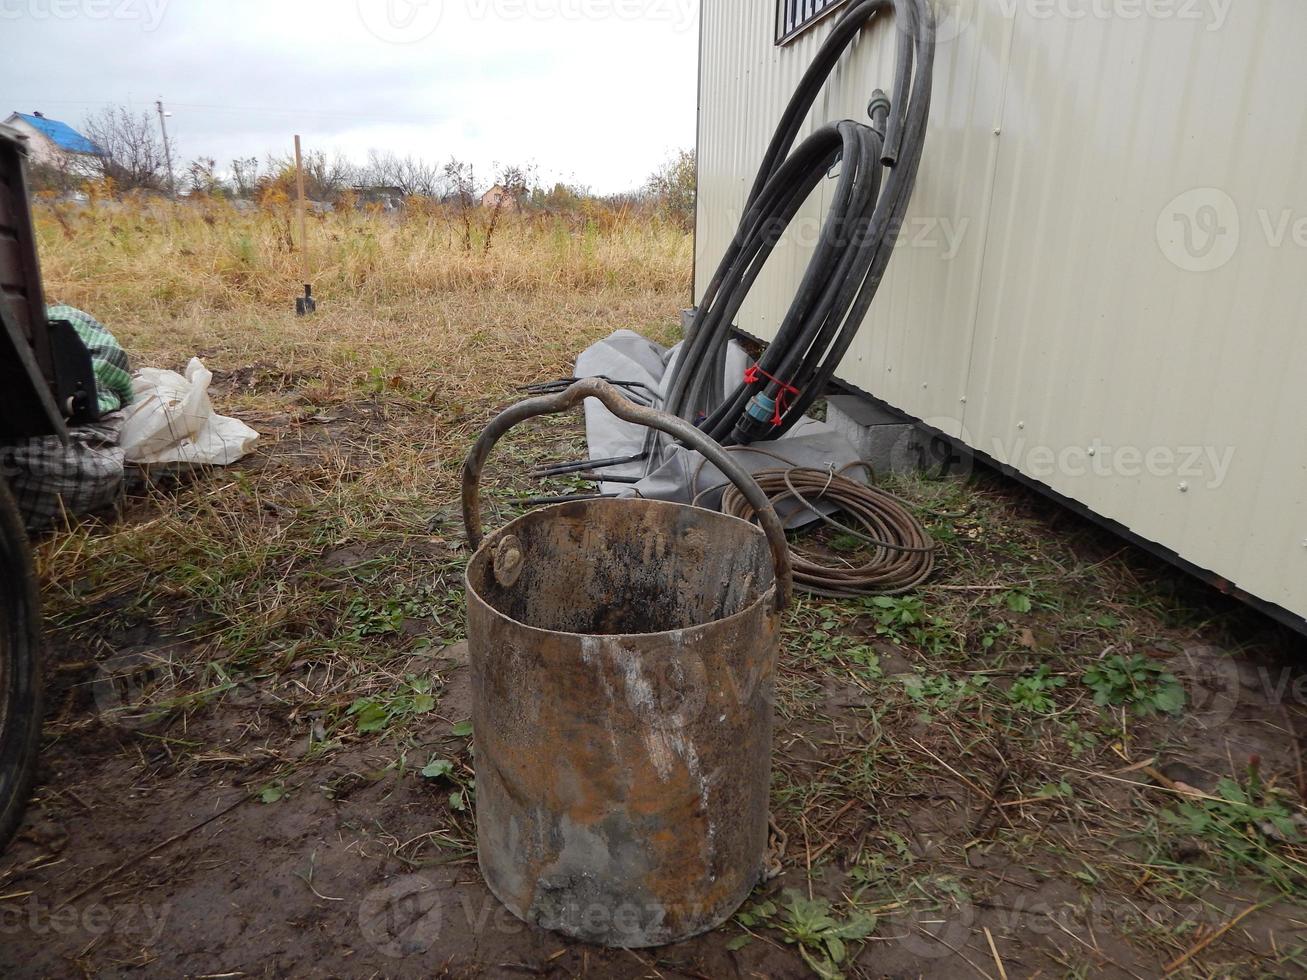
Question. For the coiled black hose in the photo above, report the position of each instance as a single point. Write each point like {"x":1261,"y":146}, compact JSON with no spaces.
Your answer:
{"x":856,"y":243}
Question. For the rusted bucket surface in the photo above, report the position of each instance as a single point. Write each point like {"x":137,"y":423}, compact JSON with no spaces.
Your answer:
{"x":622,"y":685}
{"x":623,"y":655}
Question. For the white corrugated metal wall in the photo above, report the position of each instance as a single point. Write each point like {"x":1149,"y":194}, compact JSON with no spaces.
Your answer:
{"x":1101,"y":281}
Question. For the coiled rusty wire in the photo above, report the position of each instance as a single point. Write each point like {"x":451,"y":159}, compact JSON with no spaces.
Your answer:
{"x":902,"y":550}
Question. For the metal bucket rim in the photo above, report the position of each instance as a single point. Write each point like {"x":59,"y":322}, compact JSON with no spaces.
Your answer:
{"x":493,"y":538}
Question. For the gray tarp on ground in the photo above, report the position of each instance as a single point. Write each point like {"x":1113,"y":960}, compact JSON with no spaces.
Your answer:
{"x":626,"y":356}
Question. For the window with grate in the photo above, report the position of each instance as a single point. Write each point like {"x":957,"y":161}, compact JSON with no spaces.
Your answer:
{"x":793,"y":17}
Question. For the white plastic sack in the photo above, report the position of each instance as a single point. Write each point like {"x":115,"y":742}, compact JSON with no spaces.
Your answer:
{"x":172,"y":421}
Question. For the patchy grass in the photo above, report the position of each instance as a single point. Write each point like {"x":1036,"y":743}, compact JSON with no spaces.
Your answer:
{"x":992,"y":754}
{"x":1013,"y":770}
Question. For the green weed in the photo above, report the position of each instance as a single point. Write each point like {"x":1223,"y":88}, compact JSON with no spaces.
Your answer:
{"x":1137,"y":682}
{"x":376,"y":713}
{"x":903,"y":619}
{"x":1033,"y":692}
{"x":812,"y":925}
{"x":1243,"y":827}
{"x":939,"y":692}
{"x":444,"y":770}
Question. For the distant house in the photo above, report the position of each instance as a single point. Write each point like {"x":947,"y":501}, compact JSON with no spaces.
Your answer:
{"x":51,"y":141}
{"x":500,"y":197}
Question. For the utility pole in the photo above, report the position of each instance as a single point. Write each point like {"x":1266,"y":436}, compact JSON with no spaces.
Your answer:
{"x":167,"y":150}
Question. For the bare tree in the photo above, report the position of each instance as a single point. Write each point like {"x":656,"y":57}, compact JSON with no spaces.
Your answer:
{"x":133,"y":148}
{"x":516,"y":183}
{"x":245,"y":175}
{"x":561,"y":199}
{"x":410,"y":175}
{"x":673,"y":188}
{"x":60,"y":174}
{"x":462,"y":192}
{"x":381,"y":170}
{"x":324,"y":179}
{"x":516,"y":180}
{"x":421,"y":177}
{"x":202,"y":175}
{"x":329,"y":178}
{"x":460,"y":182}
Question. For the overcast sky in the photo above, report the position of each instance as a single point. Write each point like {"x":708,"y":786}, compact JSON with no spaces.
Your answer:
{"x":596,"y":92}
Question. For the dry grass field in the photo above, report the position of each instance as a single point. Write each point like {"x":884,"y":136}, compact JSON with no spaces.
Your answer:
{"x":1060,"y":758}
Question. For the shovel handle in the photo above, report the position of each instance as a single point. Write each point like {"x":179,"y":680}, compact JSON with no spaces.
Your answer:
{"x":628,"y":411}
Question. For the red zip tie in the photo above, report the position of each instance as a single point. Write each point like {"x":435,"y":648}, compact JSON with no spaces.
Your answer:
{"x":751,"y":377}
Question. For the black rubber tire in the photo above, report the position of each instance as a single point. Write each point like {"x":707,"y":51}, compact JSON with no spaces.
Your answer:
{"x":20,"y":668}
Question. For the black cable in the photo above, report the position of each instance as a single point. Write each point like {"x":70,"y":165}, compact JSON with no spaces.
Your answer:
{"x":878,"y":169}
{"x":846,"y":268}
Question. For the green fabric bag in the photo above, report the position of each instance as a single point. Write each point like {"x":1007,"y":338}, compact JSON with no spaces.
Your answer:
{"x":113,"y":373}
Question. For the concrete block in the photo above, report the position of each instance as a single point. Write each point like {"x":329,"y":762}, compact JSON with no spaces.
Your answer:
{"x":890,"y":442}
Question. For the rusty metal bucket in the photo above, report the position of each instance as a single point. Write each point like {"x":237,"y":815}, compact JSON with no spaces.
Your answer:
{"x":623,"y":655}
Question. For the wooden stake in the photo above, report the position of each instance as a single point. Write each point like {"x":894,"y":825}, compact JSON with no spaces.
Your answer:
{"x":305,"y":304}
{"x":299,"y":189}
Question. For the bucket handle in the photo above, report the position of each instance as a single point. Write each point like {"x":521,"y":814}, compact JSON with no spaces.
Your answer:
{"x":628,"y":411}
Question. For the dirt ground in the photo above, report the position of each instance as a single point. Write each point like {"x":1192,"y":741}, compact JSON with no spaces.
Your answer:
{"x":233,"y":777}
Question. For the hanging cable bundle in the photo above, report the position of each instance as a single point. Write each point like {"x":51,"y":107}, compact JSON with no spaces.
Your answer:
{"x":878,"y":168}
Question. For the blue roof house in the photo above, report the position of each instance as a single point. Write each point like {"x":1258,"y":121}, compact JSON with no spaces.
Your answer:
{"x":51,"y":141}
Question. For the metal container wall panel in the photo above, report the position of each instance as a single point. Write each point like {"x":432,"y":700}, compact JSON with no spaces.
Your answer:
{"x":1102,"y":272}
